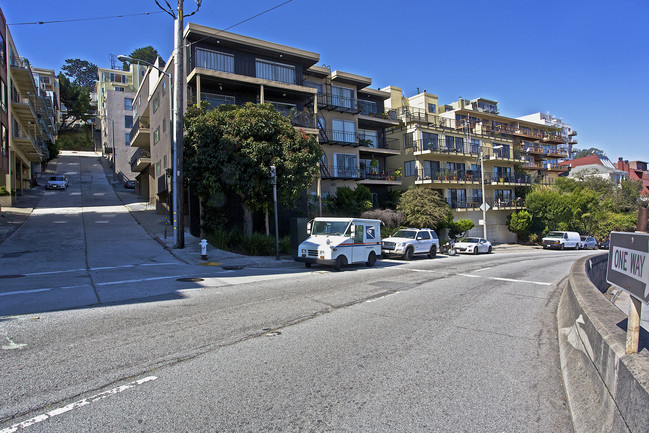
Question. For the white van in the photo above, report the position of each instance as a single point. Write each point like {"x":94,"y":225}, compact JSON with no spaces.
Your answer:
{"x":561,"y":240}
{"x":341,"y":241}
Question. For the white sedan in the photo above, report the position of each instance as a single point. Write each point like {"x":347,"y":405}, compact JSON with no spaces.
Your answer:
{"x":473,"y":246}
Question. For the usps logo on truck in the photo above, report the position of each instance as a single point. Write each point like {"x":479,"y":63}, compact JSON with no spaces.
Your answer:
{"x":370,"y":233}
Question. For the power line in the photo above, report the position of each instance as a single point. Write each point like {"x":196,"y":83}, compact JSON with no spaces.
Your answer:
{"x":85,"y":19}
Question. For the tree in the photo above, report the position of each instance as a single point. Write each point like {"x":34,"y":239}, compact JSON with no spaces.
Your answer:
{"x":230,"y":149}
{"x":520,"y":222}
{"x":350,"y":202}
{"x":423,"y":207}
{"x":76,"y":100}
{"x":457,"y":229}
{"x":148,"y":54}
{"x":82,"y":72}
{"x":580,"y":153}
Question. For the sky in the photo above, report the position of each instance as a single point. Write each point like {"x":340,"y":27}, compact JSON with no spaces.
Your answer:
{"x":583,"y":61}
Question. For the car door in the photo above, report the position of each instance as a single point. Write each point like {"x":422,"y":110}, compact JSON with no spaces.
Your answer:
{"x":423,"y":242}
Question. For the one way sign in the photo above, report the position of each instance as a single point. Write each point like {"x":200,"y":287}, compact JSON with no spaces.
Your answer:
{"x":628,"y":263}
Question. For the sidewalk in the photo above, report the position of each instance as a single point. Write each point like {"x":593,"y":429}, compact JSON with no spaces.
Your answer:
{"x":154,"y":224}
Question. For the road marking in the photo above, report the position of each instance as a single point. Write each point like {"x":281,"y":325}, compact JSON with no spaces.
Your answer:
{"x":21,"y":292}
{"x":11,"y":345}
{"x":512,"y":280}
{"x":520,"y":281}
{"x":110,"y":283}
{"x":75,"y":405}
{"x":98,"y":269}
{"x":470,"y":276}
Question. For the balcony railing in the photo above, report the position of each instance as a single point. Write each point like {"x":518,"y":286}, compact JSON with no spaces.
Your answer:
{"x":137,"y":156}
{"x":343,"y":138}
{"x":329,"y":101}
{"x":476,"y":202}
{"x":300,"y":118}
{"x":439,"y":146}
{"x":355,"y":173}
{"x":471,"y":176}
{"x":140,"y":122}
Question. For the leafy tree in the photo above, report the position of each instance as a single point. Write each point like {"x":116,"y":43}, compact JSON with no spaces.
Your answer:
{"x":230,"y":149}
{"x":350,"y":202}
{"x":82,"y":72}
{"x":520,"y":222}
{"x":423,"y":207}
{"x":580,"y":153}
{"x":457,"y":229}
{"x":627,"y":195}
{"x":75,"y":97}
{"x":148,"y":54}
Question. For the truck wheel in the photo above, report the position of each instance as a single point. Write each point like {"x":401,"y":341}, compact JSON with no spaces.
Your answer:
{"x":561,"y":247}
{"x":408,"y":254}
{"x":371,"y":259}
{"x":433,"y":252}
{"x":340,"y":262}
{"x":307,"y":264}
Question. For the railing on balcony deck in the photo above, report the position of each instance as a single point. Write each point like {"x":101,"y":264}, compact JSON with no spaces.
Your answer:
{"x":439,"y":146}
{"x":139,"y":154}
{"x":304,"y":118}
{"x":355,"y":173}
{"x":471,"y":176}
{"x":330,"y":101}
{"x":140,"y":122}
{"x":476,"y":202}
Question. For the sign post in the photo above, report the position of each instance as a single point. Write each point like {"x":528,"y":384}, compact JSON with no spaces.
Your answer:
{"x":628,"y":268}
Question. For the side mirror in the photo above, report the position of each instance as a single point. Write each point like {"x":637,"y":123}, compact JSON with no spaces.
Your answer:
{"x":353,"y":231}
{"x":308,"y":228}
{"x":419,"y":238}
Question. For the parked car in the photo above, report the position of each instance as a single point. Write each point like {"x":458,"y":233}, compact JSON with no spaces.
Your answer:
{"x":410,"y":242}
{"x":57,"y":182}
{"x":129,"y":184}
{"x":561,"y":240}
{"x":473,"y":246}
{"x":604,"y":244}
{"x":588,"y":243}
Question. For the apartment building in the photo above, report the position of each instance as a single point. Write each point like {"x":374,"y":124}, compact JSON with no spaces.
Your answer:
{"x":457,"y":150}
{"x":28,"y":117}
{"x":115,"y":93}
{"x":352,"y":123}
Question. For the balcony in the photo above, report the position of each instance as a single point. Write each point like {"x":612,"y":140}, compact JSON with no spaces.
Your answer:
{"x":494,"y":204}
{"x":448,"y":176}
{"x":342,"y":104}
{"x":342,"y":138}
{"x":22,"y":75}
{"x":28,"y":145}
{"x":553,"y":138}
{"x":140,"y":160}
{"x":141,"y":132}
{"x":438,"y":146}
{"x":507,"y":179}
{"x":526,"y":132}
{"x":364,"y":175}
{"x":25,"y":111}
{"x":380,"y":144}
{"x":299,"y":118}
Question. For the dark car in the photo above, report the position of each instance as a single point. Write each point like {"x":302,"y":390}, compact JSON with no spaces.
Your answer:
{"x":604,"y":244}
{"x":130,"y":184}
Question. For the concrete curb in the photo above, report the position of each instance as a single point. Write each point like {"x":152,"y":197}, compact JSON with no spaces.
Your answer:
{"x":607,"y":389}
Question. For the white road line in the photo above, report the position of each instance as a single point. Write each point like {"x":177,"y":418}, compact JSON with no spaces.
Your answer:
{"x":22,"y":292}
{"x":110,"y":283}
{"x":75,"y":405}
{"x":520,"y":281}
{"x":470,"y":276}
{"x":482,"y":276}
{"x":97,"y":269}
{"x":54,"y":272}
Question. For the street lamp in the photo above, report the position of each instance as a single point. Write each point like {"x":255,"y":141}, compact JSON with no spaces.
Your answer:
{"x":176,"y":151}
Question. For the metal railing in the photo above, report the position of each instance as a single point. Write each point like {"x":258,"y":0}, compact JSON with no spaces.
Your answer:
{"x":476,"y":202}
{"x":304,"y":118}
{"x":439,"y":146}
{"x":140,"y":122}
{"x":355,"y":173}
{"x":138,"y":155}
{"x":471,"y":176}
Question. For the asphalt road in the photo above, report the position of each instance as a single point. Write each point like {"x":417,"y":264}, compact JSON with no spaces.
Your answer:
{"x":464,"y":343}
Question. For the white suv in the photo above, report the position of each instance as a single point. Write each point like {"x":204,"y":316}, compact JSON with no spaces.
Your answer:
{"x":408,"y":242}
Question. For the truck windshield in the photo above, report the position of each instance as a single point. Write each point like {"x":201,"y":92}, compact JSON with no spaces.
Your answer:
{"x":329,"y":228}
{"x":555,"y":235}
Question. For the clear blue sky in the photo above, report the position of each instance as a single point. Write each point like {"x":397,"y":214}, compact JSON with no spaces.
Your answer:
{"x":585,"y":61}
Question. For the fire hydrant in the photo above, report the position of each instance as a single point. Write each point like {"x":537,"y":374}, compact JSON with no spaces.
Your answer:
{"x":203,"y":244}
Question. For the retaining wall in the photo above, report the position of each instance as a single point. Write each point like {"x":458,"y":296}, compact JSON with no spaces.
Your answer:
{"x":608,"y":390}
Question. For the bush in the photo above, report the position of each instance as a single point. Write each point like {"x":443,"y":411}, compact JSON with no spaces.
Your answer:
{"x":390,"y":218}
{"x":285,"y":245}
{"x":3,"y":191}
{"x":256,"y":244}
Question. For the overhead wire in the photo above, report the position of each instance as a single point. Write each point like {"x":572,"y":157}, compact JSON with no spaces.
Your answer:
{"x":85,"y":19}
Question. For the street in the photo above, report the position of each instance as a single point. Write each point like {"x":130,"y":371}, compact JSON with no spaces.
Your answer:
{"x":464,"y":343}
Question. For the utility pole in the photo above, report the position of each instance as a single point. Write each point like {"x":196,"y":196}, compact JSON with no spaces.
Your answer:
{"x":177,"y":139}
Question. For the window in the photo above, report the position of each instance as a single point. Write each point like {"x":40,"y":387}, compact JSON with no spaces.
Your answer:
{"x":345,"y":165}
{"x":503,"y":197}
{"x":314,"y":85}
{"x":214,"y":60}
{"x":155,"y":103}
{"x":216,"y":100}
{"x":344,"y":131}
{"x":128,"y":121}
{"x":456,"y":198}
{"x":3,"y":94}
{"x":5,"y":141}
{"x":502,"y":174}
{"x":368,"y":138}
{"x":368,"y":107}
{"x":164,"y":125}
{"x":3,"y":53}
{"x":164,"y":161}
{"x":476,"y":197}
{"x":119,"y":89}
{"x":156,"y":135}
{"x":117,"y":78}
{"x":342,"y":97}
{"x":429,"y":141}
{"x":128,"y":104}
{"x":127,"y":139}
{"x":424,"y":235}
{"x":475,"y":146}
{"x":450,"y":142}
{"x":158,"y":170}
{"x":431,"y":170}
{"x":409,"y":168}
{"x":501,"y":150}
{"x":164,"y":87}
{"x":275,"y":71}
{"x":408,"y":140}
{"x":432,"y":108}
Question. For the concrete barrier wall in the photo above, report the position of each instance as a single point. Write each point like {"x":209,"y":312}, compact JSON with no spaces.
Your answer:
{"x":608,"y":390}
